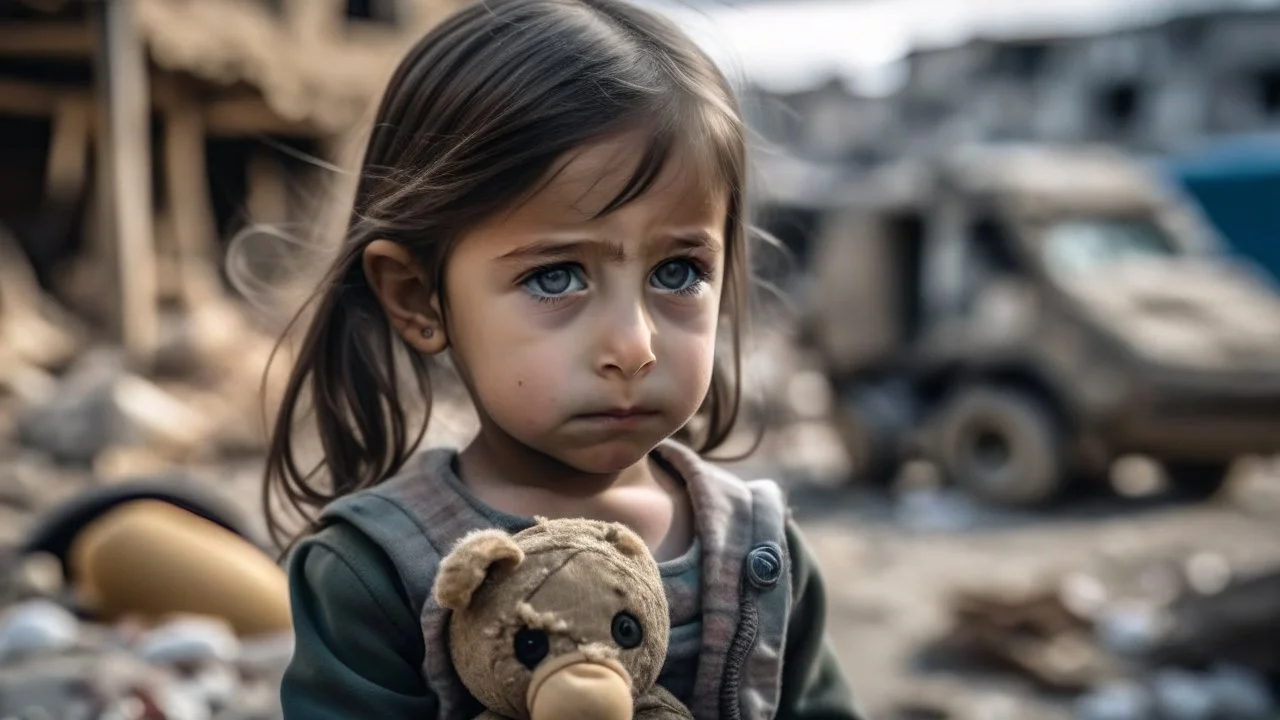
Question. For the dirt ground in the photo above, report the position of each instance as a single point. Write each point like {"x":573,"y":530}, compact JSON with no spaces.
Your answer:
{"x":890,"y":573}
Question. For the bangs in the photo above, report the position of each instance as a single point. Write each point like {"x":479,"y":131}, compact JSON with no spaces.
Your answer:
{"x":706,"y":141}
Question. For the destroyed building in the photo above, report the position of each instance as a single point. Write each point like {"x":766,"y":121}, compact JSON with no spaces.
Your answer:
{"x":1157,"y":88}
{"x":1152,"y":89}
{"x":138,"y":134}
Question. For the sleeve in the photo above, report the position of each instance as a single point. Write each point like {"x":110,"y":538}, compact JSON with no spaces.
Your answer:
{"x":358,"y":647}
{"x":813,"y":685}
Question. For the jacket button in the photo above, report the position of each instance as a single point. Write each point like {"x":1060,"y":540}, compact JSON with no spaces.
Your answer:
{"x":764,"y":565}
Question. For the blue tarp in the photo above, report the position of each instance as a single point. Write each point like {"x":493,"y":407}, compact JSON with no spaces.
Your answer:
{"x":1236,"y":182}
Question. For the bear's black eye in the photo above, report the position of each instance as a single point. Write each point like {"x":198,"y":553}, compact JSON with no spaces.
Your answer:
{"x":532,"y":647}
{"x":627,"y":631}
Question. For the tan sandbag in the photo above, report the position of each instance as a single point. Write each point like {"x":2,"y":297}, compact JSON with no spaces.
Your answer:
{"x":151,"y":559}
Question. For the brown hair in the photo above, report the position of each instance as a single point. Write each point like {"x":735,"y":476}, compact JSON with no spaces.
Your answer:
{"x":471,"y":120}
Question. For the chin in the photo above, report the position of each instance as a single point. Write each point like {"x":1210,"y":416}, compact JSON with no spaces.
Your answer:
{"x":606,"y":457}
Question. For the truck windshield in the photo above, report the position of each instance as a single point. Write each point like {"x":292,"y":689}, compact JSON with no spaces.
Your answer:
{"x":1082,"y":245}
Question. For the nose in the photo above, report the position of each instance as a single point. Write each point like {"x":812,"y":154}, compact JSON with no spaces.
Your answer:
{"x":627,"y":341}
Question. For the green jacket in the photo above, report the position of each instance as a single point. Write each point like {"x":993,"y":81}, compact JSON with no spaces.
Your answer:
{"x":362,"y":623}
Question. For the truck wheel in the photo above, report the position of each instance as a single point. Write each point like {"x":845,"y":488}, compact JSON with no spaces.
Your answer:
{"x":1002,"y":446}
{"x":1198,"y":480}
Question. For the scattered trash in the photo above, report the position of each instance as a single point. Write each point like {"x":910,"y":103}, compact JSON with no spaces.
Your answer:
{"x":1115,"y":701}
{"x":1198,"y":642}
{"x":190,"y":641}
{"x":61,"y":658}
{"x":104,"y":677}
{"x":1241,"y":693}
{"x":37,"y":626}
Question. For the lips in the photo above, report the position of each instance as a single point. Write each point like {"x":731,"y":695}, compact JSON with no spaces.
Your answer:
{"x":630,"y":412}
{"x":619,"y":415}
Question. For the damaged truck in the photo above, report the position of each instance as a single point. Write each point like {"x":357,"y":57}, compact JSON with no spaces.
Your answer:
{"x":1023,"y":316}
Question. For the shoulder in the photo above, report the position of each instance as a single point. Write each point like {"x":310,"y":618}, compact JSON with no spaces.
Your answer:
{"x":357,"y":648}
{"x":407,"y":522}
{"x":341,"y":568}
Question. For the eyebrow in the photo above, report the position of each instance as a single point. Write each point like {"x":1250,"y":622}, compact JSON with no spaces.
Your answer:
{"x":610,"y":249}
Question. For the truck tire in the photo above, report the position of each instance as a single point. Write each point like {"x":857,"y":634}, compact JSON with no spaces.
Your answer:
{"x":1197,"y":480}
{"x":1002,"y":446}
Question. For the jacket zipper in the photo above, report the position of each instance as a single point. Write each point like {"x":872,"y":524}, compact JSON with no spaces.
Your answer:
{"x":743,"y":640}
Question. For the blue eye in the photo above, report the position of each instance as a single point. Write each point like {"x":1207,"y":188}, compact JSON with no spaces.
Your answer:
{"x":676,"y":276}
{"x":555,"y":281}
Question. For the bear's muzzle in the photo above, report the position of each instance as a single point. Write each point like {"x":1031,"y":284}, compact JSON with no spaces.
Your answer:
{"x":574,"y":687}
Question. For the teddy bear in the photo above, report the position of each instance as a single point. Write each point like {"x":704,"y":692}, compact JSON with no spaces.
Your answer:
{"x":566,"y":620}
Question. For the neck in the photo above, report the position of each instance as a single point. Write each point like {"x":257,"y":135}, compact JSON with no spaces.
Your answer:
{"x":513,"y":478}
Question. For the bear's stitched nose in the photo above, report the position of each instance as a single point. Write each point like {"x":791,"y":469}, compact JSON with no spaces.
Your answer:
{"x":582,"y":691}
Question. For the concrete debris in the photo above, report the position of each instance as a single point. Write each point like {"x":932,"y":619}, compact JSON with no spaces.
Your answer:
{"x":39,"y":626}
{"x":186,"y":670}
{"x":1137,"y":650}
{"x":206,"y":401}
{"x":99,"y":404}
{"x":1225,"y":693}
{"x":190,"y":641}
{"x":1115,"y":701}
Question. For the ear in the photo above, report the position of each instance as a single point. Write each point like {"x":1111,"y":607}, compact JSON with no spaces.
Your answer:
{"x":626,"y":541}
{"x":474,"y":557}
{"x":406,"y":294}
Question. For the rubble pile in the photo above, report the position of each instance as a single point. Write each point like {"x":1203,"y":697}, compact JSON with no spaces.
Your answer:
{"x":1174,"y":639}
{"x":96,"y":427}
{"x":56,"y":665}
{"x":82,"y":423}
{"x":77,"y":419}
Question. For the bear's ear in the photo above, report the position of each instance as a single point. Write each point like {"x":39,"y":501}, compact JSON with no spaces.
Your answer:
{"x":625,"y":540}
{"x":474,"y":557}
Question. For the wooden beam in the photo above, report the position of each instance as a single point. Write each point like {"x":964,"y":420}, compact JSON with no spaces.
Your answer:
{"x":187,"y":188}
{"x":67,"y":168}
{"x":46,"y":40}
{"x":268,"y":191}
{"x":24,"y":97}
{"x":249,"y":115}
{"x":125,"y":148}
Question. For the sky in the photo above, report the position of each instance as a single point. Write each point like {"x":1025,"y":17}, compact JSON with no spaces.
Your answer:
{"x":788,"y":45}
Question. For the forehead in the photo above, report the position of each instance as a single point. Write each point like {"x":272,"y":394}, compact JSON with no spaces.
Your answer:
{"x":584,"y":182}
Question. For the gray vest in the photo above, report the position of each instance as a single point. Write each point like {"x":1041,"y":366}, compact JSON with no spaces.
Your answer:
{"x":418,"y":516}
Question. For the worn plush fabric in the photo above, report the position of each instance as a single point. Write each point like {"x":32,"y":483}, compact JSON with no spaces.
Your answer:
{"x":582,"y":594}
{"x":359,"y":600}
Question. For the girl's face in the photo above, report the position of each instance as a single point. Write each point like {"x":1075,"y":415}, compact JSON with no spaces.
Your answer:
{"x":592,"y":340}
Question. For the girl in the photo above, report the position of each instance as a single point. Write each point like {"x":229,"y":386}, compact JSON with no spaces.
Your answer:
{"x":552,"y":194}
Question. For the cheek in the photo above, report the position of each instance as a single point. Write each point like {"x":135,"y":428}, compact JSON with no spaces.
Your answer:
{"x":518,"y":383}
{"x":690,"y":361}
{"x":687,"y":343}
